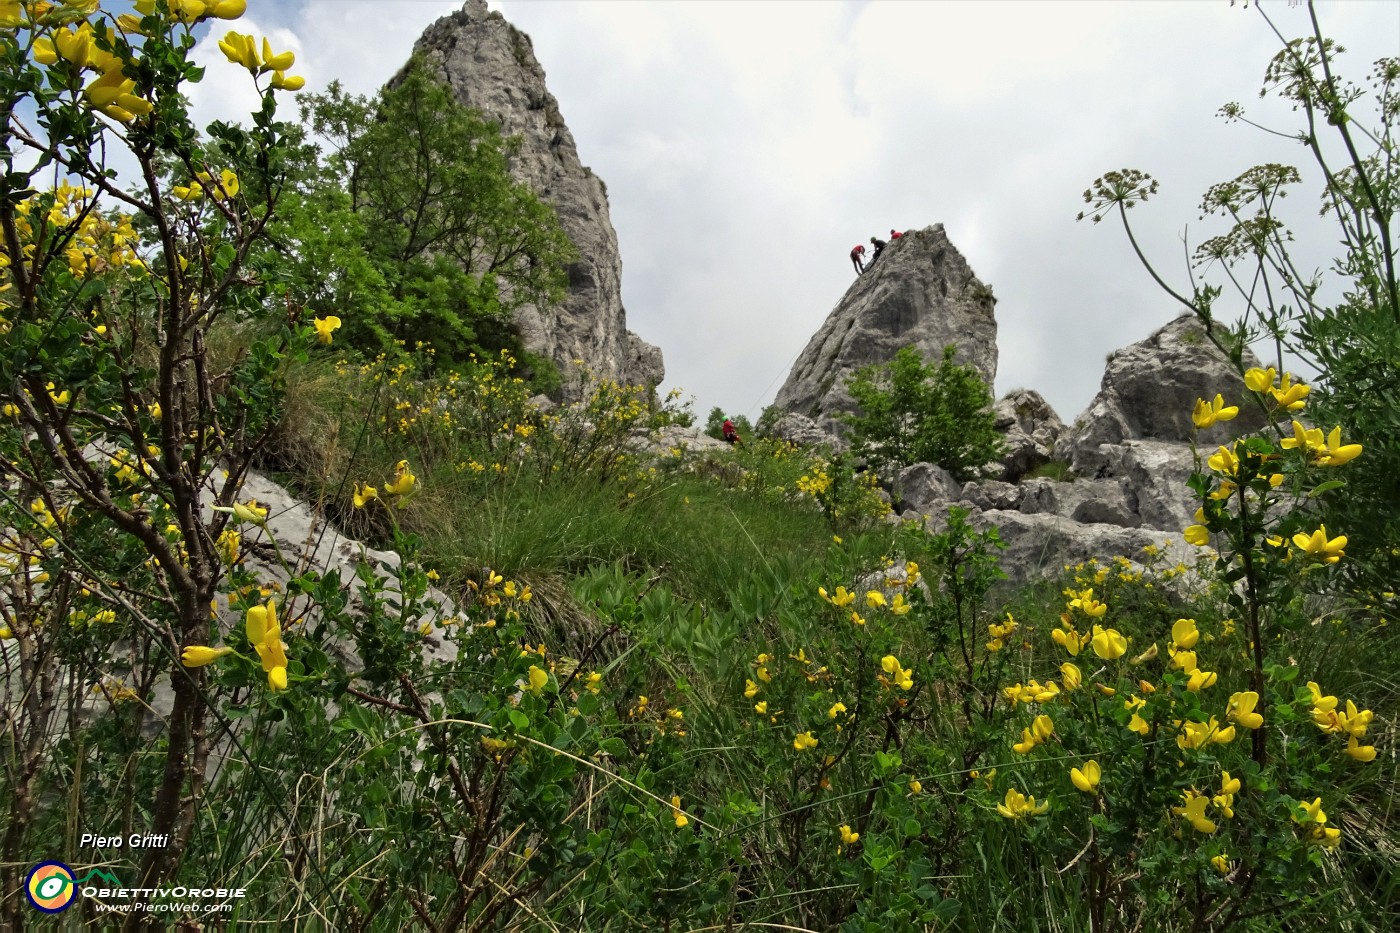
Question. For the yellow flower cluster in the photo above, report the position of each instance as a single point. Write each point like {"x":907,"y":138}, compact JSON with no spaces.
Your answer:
{"x":1032,"y":692}
{"x":1000,"y":631}
{"x":243,"y":50}
{"x":264,"y":634}
{"x":1352,"y":723}
{"x":1323,"y":451}
{"x":897,"y":676}
{"x":1208,"y":413}
{"x":814,"y":485}
{"x":1286,"y":395}
{"x":1040,"y":731}
{"x":1108,"y":643}
{"x":402,"y":486}
{"x":96,"y":244}
{"x":1185,"y":635}
{"x":1017,"y":806}
{"x":1312,"y":816}
{"x":841,"y":599}
{"x":1194,"y":803}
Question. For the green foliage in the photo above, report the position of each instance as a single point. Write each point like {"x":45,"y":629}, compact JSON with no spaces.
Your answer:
{"x":714,"y":425}
{"x":1354,"y":344}
{"x":431,"y":240}
{"x":119,"y":424}
{"x":912,"y":412}
{"x":676,"y":691}
{"x":1057,"y":470}
{"x":768,"y":419}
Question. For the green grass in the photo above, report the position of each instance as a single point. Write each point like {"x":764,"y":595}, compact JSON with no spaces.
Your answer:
{"x":670,"y":575}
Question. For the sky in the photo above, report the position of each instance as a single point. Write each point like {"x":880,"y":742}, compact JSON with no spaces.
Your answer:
{"x":747,"y":146}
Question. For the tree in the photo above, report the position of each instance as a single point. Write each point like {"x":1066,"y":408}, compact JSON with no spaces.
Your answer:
{"x":120,"y":427}
{"x":412,"y":229}
{"x":912,"y":412}
{"x":714,"y":424}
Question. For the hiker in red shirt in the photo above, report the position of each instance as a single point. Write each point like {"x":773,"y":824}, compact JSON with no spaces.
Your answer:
{"x":856,"y":261}
{"x":894,"y":235}
{"x":731,"y":436}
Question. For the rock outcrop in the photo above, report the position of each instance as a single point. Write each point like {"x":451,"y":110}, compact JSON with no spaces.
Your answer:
{"x":1031,"y":430}
{"x":804,"y":432}
{"x":921,"y":292}
{"x":1148,"y":391}
{"x":1130,"y":450}
{"x":490,"y":66}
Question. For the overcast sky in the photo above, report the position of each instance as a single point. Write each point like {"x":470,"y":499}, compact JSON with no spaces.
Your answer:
{"x":748,"y":146}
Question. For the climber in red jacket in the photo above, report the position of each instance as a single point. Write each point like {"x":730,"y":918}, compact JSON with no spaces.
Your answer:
{"x":894,"y":235}
{"x":731,"y":435}
{"x":856,"y":261}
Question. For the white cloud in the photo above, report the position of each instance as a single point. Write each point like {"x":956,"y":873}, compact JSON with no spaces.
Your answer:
{"x":747,"y":146}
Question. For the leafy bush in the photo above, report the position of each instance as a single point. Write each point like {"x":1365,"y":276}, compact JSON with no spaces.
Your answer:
{"x":912,"y":412}
{"x":714,"y":425}
{"x":430,"y":238}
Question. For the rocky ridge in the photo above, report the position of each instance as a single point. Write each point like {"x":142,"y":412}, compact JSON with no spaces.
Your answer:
{"x":491,"y":66}
{"x":1125,"y":460}
{"x":1130,"y":451}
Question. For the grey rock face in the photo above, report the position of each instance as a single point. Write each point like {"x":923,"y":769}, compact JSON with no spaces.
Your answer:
{"x":490,"y":66}
{"x":993,"y":494}
{"x":1087,"y":501}
{"x":1149,"y":389}
{"x":920,"y":292}
{"x":674,"y":437}
{"x":1154,"y":474}
{"x":1031,"y":429}
{"x":1039,"y":546}
{"x":925,"y":488}
{"x":804,"y":432}
{"x":309,"y":542}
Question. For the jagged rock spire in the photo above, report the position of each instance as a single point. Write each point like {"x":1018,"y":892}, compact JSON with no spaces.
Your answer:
{"x":491,"y":66}
{"x":921,"y":292}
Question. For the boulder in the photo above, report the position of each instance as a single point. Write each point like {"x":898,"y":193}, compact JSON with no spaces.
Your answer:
{"x":676,"y":437}
{"x":1154,"y":475}
{"x":926,"y":488}
{"x":491,"y":67}
{"x":804,"y":432}
{"x":1148,"y":391}
{"x":922,"y":293}
{"x":993,"y":494}
{"x":307,"y":541}
{"x":1086,"y":501}
{"x":1040,"y":546}
{"x":1031,"y":431}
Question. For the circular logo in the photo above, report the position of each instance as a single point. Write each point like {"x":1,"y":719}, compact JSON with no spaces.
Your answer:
{"x":50,"y":887}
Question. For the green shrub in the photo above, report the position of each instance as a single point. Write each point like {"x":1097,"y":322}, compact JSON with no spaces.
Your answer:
{"x":431,"y":239}
{"x":912,"y":412}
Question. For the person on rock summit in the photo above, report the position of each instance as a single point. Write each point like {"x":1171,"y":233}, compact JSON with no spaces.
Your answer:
{"x":894,"y":235}
{"x":879,"y":247}
{"x":731,"y":435}
{"x":856,"y":253}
